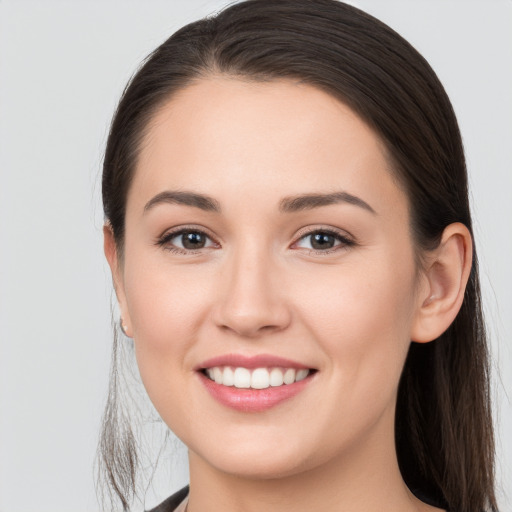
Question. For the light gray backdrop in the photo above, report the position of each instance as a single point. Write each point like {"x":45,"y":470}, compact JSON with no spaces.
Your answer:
{"x":62,"y":68}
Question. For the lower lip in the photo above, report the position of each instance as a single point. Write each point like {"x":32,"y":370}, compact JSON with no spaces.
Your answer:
{"x":253,"y":400}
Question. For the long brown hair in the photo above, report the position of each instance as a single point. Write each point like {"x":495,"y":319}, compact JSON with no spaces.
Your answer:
{"x":443,"y":426}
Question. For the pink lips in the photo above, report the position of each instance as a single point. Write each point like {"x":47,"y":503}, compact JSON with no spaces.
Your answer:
{"x":252,"y":400}
{"x":250,"y":362}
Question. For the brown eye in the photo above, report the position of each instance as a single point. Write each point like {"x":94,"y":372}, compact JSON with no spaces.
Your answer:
{"x":324,"y":241}
{"x":185,"y":241}
{"x":193,"y":240}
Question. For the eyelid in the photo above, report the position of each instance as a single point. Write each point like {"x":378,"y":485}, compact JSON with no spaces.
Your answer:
{"x":186,"y":227}
{"x":309,"y":230}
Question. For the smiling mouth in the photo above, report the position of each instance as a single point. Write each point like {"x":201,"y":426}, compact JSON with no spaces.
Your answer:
{"x":257,"y":378}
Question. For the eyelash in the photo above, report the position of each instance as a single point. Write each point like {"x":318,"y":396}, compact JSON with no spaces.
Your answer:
{"x":345,"y":241}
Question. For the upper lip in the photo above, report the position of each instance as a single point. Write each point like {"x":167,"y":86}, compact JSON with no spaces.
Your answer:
{"x":250,"y":362}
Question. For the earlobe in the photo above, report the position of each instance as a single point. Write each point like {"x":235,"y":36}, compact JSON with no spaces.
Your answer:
{"x":446,"y":276}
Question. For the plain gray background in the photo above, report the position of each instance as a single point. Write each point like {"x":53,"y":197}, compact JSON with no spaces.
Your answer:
{"x":63,"y":66}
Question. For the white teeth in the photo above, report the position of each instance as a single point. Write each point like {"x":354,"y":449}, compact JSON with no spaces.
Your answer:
{"x":301,"y":374}
{"x":289,"y":376}
{"x":242,"y":378}
{"x":276,"y":377}
{"x":228,"y":377}
{"x":217,"y":375}
{"x":259,"y":378}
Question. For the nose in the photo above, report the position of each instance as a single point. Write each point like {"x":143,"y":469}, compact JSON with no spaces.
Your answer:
{"x":251,"y":297}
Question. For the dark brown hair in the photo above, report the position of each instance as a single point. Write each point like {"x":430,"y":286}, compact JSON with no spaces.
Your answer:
{"x":443,"y":426}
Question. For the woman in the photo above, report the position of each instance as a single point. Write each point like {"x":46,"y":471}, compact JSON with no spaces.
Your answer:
{"x":288,"y":229}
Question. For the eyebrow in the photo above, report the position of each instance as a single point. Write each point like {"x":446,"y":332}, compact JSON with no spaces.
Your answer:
{"x":194,"y":199}
{"x":310,"y":201}
{"x":288,"y":204}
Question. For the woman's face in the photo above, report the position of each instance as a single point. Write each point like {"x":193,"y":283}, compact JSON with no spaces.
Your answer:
{"x":299,"y":259}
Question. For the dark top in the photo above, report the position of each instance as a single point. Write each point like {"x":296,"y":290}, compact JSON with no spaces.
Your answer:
{"x":173,"y":501}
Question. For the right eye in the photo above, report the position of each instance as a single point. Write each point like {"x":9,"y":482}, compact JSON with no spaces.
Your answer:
{"x":185,"y":241}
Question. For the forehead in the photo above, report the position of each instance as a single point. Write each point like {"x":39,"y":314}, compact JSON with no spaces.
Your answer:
{"x":234,"y":139}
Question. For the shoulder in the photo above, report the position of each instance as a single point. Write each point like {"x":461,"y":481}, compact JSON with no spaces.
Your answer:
{"x":171,"y":503}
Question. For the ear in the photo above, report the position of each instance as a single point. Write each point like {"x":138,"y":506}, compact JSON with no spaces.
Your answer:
{"x":112,"y":255}
{"x":444,"y":283}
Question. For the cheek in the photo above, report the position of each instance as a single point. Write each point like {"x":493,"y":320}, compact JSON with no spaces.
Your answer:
{"x":362,"y":318}
{"x":165,"y":308}
{"x":164,"y":303}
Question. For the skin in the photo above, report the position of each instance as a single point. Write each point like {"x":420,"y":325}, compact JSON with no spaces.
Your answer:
{"x":258,"y":287}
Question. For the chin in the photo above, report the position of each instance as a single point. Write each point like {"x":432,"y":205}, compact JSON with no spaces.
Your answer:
{"x":260,"y":468}
{"x":259,"y":458}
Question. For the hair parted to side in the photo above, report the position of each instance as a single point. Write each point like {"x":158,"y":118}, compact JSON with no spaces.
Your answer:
{"x":444,"y":434}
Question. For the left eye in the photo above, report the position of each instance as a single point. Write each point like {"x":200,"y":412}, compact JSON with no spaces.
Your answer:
{"x":187,"y":240}
{"x":323,"y":240}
